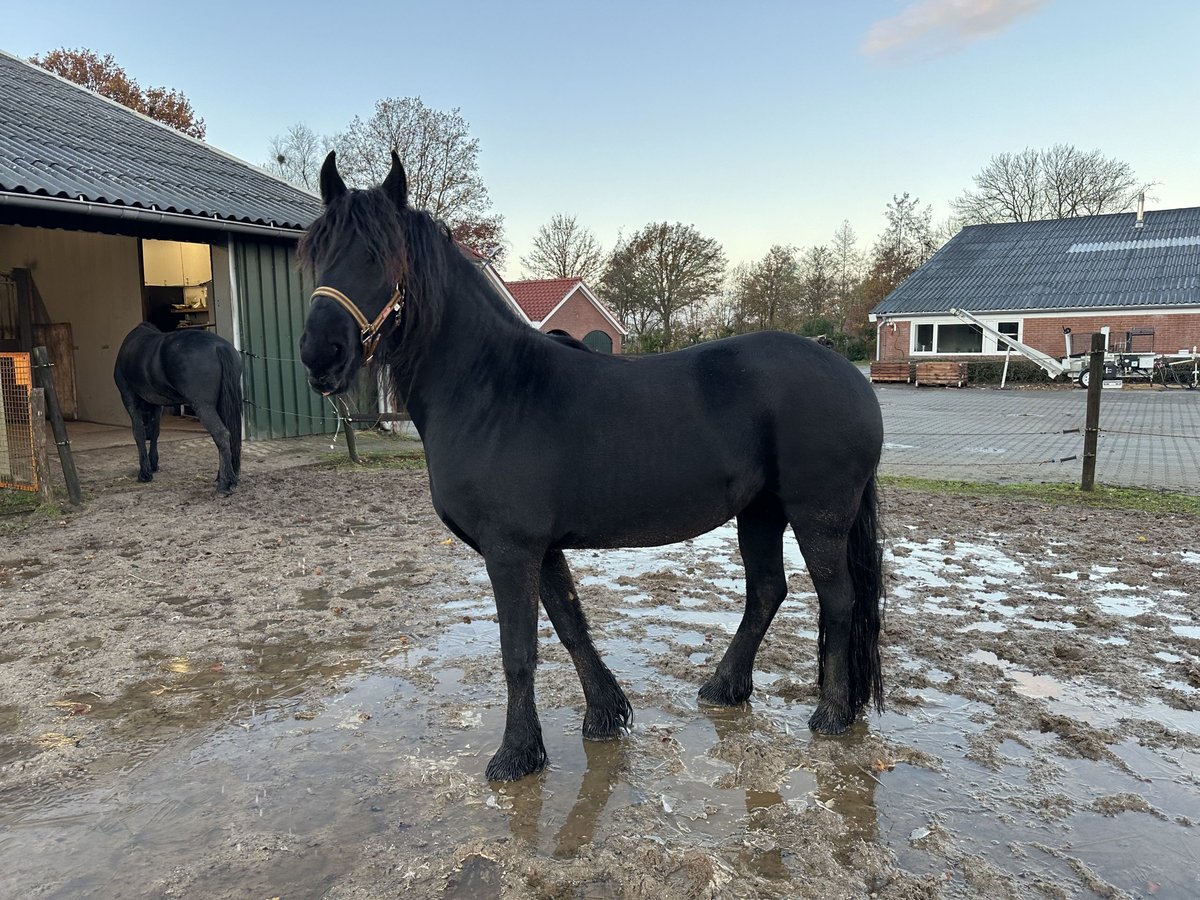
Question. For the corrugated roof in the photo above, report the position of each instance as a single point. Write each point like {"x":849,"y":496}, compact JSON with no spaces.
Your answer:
{"x":60,"y":140}
{"x":1084,"y":263}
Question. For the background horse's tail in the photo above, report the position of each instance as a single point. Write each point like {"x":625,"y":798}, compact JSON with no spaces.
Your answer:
{"x":229,"y":401}
{"x":865,"y":556}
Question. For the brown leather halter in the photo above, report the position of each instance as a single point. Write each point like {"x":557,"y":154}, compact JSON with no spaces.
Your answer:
{"x":370,"y":333}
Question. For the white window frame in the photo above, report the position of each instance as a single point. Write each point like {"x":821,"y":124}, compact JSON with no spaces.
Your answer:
{"x":990,"y":343}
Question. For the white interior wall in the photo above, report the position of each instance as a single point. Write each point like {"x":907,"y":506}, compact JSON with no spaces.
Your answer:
{"x":92,"y":281}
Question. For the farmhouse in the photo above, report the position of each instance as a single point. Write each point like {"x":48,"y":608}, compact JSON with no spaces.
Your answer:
{"x":1134,"y":277}
{"x":566,"y":306}
{"x":108,"y":218}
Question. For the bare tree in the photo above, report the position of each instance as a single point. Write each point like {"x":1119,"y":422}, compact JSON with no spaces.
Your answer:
{"x":102,"y":75}
{"x":440,"y":158}
{"x":296,"y":156}
{"x":658,"y":273}
{"x":564,"y":249}
{"x":1056,"y":183}
{"x":847,"y":273}
{"x":767,"y":293}
{"x":818,"y":281}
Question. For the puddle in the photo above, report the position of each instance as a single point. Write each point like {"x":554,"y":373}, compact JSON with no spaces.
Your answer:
{"x":273,"y":783}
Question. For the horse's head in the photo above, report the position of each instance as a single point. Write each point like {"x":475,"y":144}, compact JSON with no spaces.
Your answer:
{"x":356,"y":253}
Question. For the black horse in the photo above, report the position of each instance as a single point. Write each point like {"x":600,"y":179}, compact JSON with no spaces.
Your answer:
{"x":534,"y":447}
{"x":190,"y":367}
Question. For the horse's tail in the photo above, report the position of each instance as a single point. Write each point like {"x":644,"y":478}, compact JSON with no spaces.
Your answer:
{"x":865,"y":557}
{"x":229,"y":401}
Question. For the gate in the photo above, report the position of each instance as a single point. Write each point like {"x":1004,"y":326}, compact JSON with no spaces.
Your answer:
{"x":17,"y":469}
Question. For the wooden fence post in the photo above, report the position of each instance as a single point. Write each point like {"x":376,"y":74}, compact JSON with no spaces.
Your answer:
{"x":1091,"y":431}
{"x":45,"y":378}
{"x":41,"y":462}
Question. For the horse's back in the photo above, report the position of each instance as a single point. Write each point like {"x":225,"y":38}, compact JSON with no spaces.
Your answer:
{"x":167,"y":368}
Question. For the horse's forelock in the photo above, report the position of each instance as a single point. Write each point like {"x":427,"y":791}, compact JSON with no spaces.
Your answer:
{"x":368,"y":217}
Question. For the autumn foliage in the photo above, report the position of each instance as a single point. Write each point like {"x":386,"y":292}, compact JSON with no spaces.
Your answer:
{"x":102,"y":75}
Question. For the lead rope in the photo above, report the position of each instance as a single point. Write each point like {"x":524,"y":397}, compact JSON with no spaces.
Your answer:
{"x":337,"y":411}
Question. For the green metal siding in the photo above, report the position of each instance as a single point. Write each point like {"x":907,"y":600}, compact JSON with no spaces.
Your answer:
{"x":272,"y":297}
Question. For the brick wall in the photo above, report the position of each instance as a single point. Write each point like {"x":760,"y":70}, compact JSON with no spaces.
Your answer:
{"x":1172,"y":332}
{"x":894,"y":344}
{"x":578,"y":316}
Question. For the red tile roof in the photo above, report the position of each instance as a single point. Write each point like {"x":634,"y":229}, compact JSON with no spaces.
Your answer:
{"x":539,"y":297}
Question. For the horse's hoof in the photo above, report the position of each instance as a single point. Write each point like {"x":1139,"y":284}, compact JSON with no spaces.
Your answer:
{"x":719,"y":692}
{"x":831,"y":718}
{"x":607,"y":723}
{"x":145,"y":476}
{"x":509,"y":765}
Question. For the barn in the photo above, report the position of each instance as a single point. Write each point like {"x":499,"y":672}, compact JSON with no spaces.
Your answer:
{"x":1134,"y":277}
{"x":108,"y":218}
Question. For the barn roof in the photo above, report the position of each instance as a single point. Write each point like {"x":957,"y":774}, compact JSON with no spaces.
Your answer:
{"x":1091,"y":262}
{"x":540,"y":298}
{"x":59,"y":140}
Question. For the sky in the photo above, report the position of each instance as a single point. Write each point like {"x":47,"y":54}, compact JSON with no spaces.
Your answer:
{"x":759,"y":123}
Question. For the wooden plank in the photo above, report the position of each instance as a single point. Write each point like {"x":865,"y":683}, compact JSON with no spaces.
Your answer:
{"x":941,"y":374}
{"x":41,"y":460}
{"x":891,"y":371}
{"x":59,"y":341}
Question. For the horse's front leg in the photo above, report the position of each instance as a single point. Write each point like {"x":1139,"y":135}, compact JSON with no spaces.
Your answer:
{"x":515,"y":574}
{"x":608,"y":711}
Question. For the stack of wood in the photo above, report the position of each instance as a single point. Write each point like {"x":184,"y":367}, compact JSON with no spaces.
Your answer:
{"x":945,"y":374}
{"x":898,"y":371}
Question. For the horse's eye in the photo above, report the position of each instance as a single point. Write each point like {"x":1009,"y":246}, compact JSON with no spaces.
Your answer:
{"x":337,"y":348}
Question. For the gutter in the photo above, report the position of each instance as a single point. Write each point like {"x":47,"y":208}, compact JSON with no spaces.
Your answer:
{"x":134,"y":213}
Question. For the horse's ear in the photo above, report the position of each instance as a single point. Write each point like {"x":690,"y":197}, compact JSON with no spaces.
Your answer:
{"x":332,"y":185}
{"x":396,"y":184}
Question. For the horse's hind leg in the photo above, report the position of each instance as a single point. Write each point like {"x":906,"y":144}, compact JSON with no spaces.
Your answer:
{"x":153,"y":426}
{"x":226,"y":477}
{"x":825,"y":554}
{"x":760,"y":537}
{"x":138,"y":411}
{"x":608,"y":710}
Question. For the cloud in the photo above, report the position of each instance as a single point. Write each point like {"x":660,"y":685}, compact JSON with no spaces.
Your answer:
{"x":930,"y":28}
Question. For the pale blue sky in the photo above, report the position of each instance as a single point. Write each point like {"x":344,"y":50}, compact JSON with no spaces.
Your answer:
{"x":758,"y":122}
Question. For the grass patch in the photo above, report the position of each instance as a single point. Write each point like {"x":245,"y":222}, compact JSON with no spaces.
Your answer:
{"x":1140,"y":500}
{"x":406,"y":458}
{"x":21,"y":510}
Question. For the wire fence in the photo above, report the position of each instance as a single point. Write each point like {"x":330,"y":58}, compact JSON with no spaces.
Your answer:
{"x":1145,"y":438}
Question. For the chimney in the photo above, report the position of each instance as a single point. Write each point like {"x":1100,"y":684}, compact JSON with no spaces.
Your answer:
{"x":1141,"y":213}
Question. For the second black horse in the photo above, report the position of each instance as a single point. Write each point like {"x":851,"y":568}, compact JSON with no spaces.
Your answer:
{"x":193,"y":367}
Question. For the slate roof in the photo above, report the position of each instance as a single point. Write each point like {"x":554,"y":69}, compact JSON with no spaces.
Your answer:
{"x":60,"y":140}
{"x":1092,"y":262}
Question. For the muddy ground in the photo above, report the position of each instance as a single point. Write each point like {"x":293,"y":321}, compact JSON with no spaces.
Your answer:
{"x":293,"y":692}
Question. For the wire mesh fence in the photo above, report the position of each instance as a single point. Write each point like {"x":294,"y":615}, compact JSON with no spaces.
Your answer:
{"x":1146,"y":438}
{"x":17,"y":469}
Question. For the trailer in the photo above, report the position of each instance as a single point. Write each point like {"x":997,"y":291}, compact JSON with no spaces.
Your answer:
{"x":1133,"y":364}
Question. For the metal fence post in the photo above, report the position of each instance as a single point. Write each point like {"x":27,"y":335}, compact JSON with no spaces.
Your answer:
{"x":1091,"y":431}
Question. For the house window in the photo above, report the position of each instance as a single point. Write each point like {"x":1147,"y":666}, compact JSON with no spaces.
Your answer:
{"x":959,"y":339}
{"x":924,"y":339}
{"x":1012,"y":329}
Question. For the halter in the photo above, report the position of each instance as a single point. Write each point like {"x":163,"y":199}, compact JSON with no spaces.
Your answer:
{"x":370,"y":333}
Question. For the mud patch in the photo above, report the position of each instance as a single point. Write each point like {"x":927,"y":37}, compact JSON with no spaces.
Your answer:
{"x":295,"y":692}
